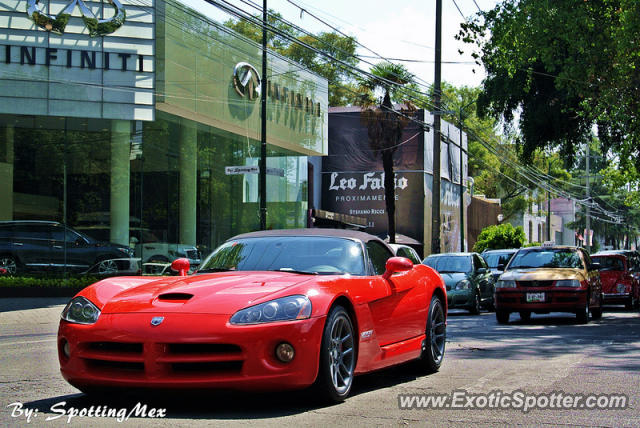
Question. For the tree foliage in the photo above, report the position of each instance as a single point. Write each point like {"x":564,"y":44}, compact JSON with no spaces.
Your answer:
{"x":562,"y":66}
{"x":342,"y":85}
{"x":500,"y":236}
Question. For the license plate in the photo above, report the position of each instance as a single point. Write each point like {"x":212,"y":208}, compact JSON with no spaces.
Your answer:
{"x":535,"y":297}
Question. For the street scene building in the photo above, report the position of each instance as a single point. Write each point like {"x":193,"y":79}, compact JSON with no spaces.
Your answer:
{"x":145,"y":127}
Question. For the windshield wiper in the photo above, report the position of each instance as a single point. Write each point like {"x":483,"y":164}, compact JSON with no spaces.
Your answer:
{"x":220,"y":269}
{"x":291,"y":270}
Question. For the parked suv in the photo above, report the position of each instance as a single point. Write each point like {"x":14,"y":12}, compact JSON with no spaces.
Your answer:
{"x":27,"y":245}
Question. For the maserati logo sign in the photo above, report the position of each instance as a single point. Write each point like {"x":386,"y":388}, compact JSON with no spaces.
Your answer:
{"x":246,"y":80}
{"x":57,"y":24}
{"x":156,"y":320}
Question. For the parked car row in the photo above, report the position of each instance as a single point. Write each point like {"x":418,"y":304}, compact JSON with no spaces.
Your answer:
{"x":49,"y":246}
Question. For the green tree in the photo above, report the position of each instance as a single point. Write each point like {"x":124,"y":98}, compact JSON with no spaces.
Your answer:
{"x":561,"y":67}
{"x":500,"y":236}
{"x":385,"y":125}
{"x":342,"y":84}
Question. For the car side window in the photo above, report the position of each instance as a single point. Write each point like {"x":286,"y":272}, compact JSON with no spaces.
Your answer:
{"x":405,"y":252}
{"x":477,"y":263}
{"x":378,"y":254}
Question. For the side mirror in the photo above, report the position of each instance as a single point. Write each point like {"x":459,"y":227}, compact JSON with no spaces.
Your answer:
{"x":181,"y":266}
{"x":397,"y":264}
{"x":595,"y":266}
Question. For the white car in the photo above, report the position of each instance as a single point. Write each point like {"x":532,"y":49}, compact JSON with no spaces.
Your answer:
{"x":402,"y":250}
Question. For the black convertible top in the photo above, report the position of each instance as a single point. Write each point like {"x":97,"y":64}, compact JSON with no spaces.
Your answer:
{"x":339,"y":233}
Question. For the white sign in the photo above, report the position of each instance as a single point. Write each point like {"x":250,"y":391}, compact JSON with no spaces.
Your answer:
{"x":239,"y":170}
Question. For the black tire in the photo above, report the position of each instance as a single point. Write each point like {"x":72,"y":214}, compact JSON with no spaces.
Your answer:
{"x":582,"y":315}
{"x":525,"y":316}
{"x":10,"y":264}
{"x":502,"y":316}
{"x":435,"y":337}
{"x":629,"y":304}
{"x":337,"y":357}
{"x":475,"y":309}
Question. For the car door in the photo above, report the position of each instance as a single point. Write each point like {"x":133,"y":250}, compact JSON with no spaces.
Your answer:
{"x":70,"y":250}
{"x":593,"y":278}
{"x":31,"y":243}
{"x":482,"y":277}
{"x":400,"y":312}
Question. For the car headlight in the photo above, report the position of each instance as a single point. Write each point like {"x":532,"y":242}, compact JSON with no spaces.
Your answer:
{"x":463,"y":285}
{"x":505,"y":283}
{"x":568,"y":283}
{"x":284,"y":309}
{"x":81,"y":311}
{"x":127,"y":250}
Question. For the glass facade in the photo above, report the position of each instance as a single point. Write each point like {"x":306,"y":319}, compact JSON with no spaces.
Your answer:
{"x":155,"y":186}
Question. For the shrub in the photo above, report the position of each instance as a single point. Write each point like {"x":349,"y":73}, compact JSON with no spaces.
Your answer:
{"x":500,"y":236}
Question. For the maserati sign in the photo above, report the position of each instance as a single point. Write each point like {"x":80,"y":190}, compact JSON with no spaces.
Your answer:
{"x":57,"y":24}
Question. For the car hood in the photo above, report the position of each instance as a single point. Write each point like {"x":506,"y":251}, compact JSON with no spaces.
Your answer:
{"x":216,"y":293}
{"x":451,"y":279}
{"x":538,"y":274}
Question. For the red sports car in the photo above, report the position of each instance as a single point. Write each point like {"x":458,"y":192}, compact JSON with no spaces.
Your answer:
{"x":619,"y":286}
{"x":266,"y":310}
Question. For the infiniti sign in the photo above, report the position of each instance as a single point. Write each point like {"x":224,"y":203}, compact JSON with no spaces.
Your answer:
{"x":57,"y":24}
{"x":246,"y":80}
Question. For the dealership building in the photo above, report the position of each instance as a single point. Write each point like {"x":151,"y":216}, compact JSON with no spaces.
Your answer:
{"x":145,"y":116}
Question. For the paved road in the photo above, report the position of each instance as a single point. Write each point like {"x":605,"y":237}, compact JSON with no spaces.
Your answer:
{"x":551,"y":353}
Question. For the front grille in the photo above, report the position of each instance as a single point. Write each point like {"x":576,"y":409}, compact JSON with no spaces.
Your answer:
{"x":114,"y":366}
{"x":112,"y":347}
{"x":161,"y":360}
{"x":534,"y":284}
{"x":203,"y":348}
{"x":208,"y":367}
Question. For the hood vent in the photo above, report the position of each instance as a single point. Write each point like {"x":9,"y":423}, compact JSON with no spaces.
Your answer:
{"x":175,"y":297}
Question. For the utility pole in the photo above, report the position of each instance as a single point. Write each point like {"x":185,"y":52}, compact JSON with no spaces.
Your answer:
{"x":263,"y":134}
{"x":549,"y":202}
{"x":588,"y":218}
{"x":435,"y":195}
{"x":461,"y":187}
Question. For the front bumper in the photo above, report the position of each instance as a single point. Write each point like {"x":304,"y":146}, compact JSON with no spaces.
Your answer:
{"x":187,"y":351}
{"x":460,"y":298}
{"x":614,"y":298}
{"x":555,"y":299}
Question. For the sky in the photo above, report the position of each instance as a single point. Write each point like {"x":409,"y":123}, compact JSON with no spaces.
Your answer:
{"x":404,"y":30}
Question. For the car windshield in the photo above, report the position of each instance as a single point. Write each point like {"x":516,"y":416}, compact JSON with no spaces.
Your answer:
{"x":449,"y":264}
{"x":496,"y":259}
{"x":608,"y":263}
{"x":546,"y":258}
{"x":301,"y":254}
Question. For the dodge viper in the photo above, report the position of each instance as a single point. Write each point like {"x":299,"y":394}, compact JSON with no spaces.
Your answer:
{"x":270,"y":310}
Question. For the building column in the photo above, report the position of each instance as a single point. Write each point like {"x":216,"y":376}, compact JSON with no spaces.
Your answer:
{"x":120,"y":181}
{"x":6,"y":173}
{"x":188,"y":165}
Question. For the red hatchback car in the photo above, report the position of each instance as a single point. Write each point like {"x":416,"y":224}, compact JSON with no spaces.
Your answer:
{"x":549,"y":279}
{"x":619,"y":285}
{"x":267,"y":310}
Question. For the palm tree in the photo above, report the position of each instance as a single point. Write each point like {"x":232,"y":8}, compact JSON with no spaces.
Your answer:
{"x":385,"y":125}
